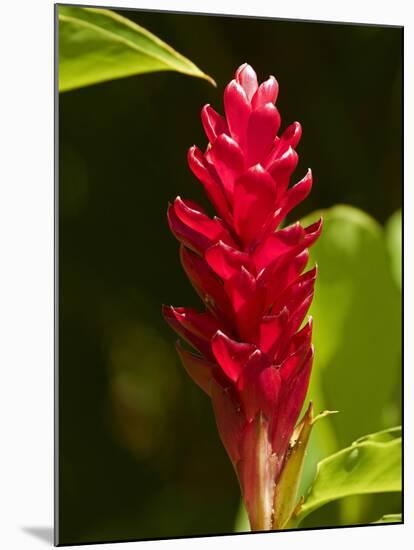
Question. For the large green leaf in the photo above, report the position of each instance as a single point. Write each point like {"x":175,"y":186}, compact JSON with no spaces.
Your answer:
{"x":357,"y":329}
{"x":393,"y":231}
{"x":357,"y":337}
{"x":370,"y":465}
{"x":97,"y":45}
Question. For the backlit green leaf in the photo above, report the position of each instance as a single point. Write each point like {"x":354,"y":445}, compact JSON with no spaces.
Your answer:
{"x":97,"y":45}
{"x":357,"y":328}
{"x":371,"y":464}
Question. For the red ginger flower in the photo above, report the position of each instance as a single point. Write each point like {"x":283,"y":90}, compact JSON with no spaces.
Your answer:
{"x":253,"y":359}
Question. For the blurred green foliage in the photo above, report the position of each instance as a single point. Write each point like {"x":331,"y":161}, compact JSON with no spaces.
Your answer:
{"x":357,"y":330}
{"x":357,"y":337}
{"x":139,"y":454}
{"x":393,"y":230}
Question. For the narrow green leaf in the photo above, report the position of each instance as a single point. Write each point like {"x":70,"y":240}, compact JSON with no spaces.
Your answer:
{"x":241,"y":523}
{"x":97,"y":45}
{"x":371,"y":464}
{"x":285,"y":499}
{"x":390,"y":518}
{"x":393,"y":234}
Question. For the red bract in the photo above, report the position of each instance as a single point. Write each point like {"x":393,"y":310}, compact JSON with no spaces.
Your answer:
{"x":252,"y":356}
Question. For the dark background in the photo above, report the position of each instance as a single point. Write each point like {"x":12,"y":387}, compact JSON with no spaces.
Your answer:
{"x":139,"y":454}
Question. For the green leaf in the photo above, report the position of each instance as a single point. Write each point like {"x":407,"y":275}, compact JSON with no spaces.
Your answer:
{"x":286,"y":489}
{"x":357,"y":338}
{"x":241,"y":523}
{"x":393,"y":232}
{"x":371,"y":464}
{"x":390,"y":518}
{"x":285,"y":499}
{"x":357,"y":329}
{"x":97,"y":45}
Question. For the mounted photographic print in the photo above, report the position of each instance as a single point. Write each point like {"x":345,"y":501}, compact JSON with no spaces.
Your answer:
{"x":229,"y":275}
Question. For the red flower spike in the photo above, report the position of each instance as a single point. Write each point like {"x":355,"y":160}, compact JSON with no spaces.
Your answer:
{"x":297,"y":193}
{"x":200,"y":370}
{"x":282,"y":168}
{"x":247,"y":299}
{"x":227,"y":158}
{"x":257,"y":471}
{"x":231,"y":355}
{"x":213,"y":123}
{"x":266,"y":93}
{"x":225,"y":260}
{"x":196,"y":220}
{"x":290,"y":138}
{"x":207,"y":175}
{"x":285,"y":274}
{"x":230,"y":418}
{"x":264,"y":122}
{"x":254,"y":197}
{"x":259,"y":386}
{"x":272,"y":330}
{"x":254,"y":358}
{"x":246,"y":77}
{"x":238,"y":109}
{"x":206,"y":283}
